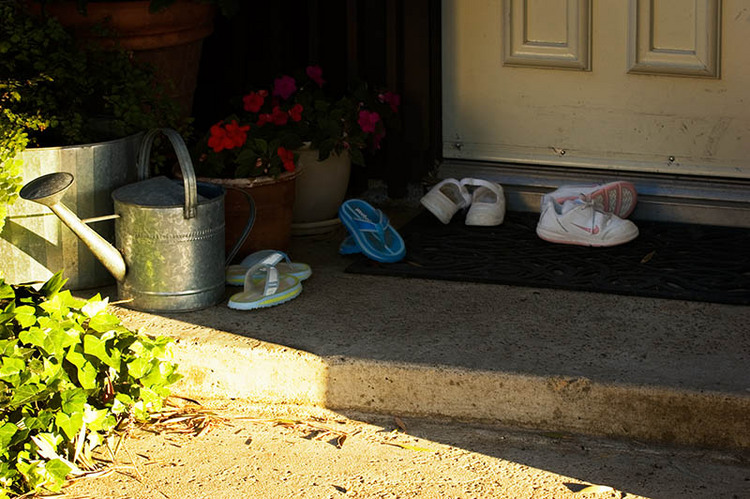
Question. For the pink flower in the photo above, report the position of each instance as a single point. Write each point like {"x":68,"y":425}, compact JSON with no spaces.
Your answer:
{"x":287,"y":158}
{"x":315,"y":73}
{"x":296,"y":112}
{"x":253,"y":101}
{"x":368,"y":120}
{"x":228,"y":136}
{"x":393,"y":100}
{"x":284,"y":87}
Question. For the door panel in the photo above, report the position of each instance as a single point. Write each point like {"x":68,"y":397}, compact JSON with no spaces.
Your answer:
{"x":547,"y":34}
{"x":674,"y":37}
{"x":657,"y":86}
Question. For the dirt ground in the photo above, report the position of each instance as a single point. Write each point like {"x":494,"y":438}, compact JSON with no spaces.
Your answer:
{"x":238,"y":450}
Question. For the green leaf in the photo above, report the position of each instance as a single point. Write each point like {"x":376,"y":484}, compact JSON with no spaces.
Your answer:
{"x":26,"y":393}
{"x":57,"y":470}
{"x":6,"y":291}
{"x":93,"y":345}
{"x":7,"y":347}
{"x":52,"y":370}
{"x":121,"y":403}
{"x":26,"y":316}
{"x":95,"y":306}
{"x":160,"y":375}
{"x":139,"y":367}
{"x":73,"y":400}
{"x":260,"y":146}
{"x":11,"y":368}
{"x":86,"y":370}
{"x":53,"y":285}
{"x":7,"y":430}
{"x":103,"y":322}
{"x":140,"y":411}
{"x":70,"y":424}
{"x":357,"y":157}
{"x":33,"y":336}
{"x":98,"y":420}
{"x":55,"y":307}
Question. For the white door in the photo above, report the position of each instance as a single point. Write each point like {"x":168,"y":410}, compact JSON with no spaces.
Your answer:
{"x":631,"y":85}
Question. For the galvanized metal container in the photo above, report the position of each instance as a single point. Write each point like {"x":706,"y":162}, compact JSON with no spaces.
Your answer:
{"x":171,"y":236}
{"x":35,"y":244}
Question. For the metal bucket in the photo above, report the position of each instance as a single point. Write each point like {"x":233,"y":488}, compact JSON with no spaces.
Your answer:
{"x":171,"y":236}
{"x":35,"y":244}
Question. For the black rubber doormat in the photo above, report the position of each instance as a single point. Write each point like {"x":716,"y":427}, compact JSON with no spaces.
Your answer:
{"x":667,"y":260}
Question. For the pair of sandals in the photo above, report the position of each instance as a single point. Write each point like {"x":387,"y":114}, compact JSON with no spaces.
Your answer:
{"x":268,"y":278}
{"x":485,"y":200}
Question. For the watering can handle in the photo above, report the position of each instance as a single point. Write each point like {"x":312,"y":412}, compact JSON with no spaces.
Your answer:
{"x":186,"y":166}
{"x":248,"y":225}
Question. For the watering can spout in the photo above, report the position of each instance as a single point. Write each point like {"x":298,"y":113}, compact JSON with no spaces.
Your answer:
{"x":48,"y":190}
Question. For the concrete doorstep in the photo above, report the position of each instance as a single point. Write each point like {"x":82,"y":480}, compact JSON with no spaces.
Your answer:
{"x":221,"y":365}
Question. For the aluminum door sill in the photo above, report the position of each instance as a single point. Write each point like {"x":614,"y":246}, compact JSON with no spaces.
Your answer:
{"x":686,"y":199}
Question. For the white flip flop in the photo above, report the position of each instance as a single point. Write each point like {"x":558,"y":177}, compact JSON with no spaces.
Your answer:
{"x":274,"y":289}
{"x":446,"y":198}
{"x":487,"y":202}
{"x":236,"y":273}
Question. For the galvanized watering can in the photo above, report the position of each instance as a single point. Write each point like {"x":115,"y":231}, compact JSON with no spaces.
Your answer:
{"x":169,"y":237}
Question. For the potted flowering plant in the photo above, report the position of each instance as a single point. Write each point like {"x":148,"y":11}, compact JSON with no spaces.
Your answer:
{"x":297,"y":127}
{"x":271,"y":124}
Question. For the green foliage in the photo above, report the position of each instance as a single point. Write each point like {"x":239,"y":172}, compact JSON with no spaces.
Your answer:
{"x":56,"y":92}
{"x":70,"y":373}
{"x":60,"y":92}
{"x":10,"y":182}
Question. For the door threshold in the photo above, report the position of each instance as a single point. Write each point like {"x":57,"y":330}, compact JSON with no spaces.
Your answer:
{"x":673,"y":198}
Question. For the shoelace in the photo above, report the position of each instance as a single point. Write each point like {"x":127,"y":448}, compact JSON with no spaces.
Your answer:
{"x":589,"y":203}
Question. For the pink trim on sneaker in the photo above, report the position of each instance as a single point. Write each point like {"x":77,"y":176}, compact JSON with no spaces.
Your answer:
{"x":618,"y":198}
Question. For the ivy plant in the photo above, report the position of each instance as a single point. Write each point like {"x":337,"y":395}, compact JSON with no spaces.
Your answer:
{"x":70,"y":373}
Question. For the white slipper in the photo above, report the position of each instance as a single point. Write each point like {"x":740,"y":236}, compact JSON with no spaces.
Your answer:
{"x":274,"y":289}
{"x":446,"y":198}
{"x":236,"y":273}
{"x":487,"y":203}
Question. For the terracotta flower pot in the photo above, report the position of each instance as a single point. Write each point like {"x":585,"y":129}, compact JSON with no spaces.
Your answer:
{"x":274,"y":202}
{"x":170,"y":40}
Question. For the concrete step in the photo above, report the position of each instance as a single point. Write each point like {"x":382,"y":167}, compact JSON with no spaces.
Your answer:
{"x":627,"y":367}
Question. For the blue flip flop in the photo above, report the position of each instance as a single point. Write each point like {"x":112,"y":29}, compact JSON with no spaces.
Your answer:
{"x":349,"y":246}
{"x":370,"y":229}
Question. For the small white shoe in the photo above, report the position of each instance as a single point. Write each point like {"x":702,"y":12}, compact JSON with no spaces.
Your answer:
{"x":446,"y":198}
{"x":487,"y":203}
{"x":617,"y":197}
{"x":580,"y":222}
